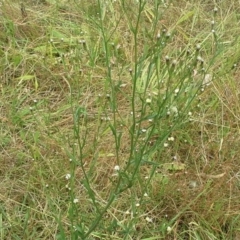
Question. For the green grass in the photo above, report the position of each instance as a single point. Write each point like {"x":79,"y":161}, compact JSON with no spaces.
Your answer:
{"x":119,"y":120}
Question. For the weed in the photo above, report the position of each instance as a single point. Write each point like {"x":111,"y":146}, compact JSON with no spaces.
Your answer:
{"x":119,"y":120}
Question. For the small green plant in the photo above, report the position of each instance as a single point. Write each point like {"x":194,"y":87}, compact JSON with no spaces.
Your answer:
{"x":163,"y":92}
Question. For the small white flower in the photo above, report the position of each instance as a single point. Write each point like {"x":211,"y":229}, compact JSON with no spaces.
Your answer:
{"x":174,"y":110}
{"x":145,"y":195}
{"x":137,"y":204}
{"x":144,"y":130}
{"x":171,"y":139}
{"x":200,"y":59}
{"x":176,"y":90}
{"x":149,"y":220}
{"x":35,"y":100}
{"x":67,"y":187}
{"x":169,"y":229}
{"x":123,"y":85}
{"x":116,"y":168}
{"x":165,"y":144}
{"x":127,"y":212}
{"x":105,"y":118}
{"x":68,"y":176}
{"x":190,"y":114}
{"x":148,"y":100}
{"x":70,"y":160}
{"x":75,"y":200}
{"x":168,"y":35}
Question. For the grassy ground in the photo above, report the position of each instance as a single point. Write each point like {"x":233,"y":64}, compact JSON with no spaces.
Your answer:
{"x":119,"y":120}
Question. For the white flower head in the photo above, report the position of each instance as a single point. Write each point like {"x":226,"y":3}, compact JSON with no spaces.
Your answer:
{"x":67,"y":187}
{"x":174,"y":62}
{"x":176,"y":90}
{"x":169,"y":229}
{"x":149,"y":220}
{"x":75,"y":200}
{"x":117,"y":168}
{"x":171,"y":139}
{"x":148,"y":100}
{"x":68,"y":176}
{"x":105,"y":118}
{"x":174,"y":110}
{"x":199,"y":58}
{"x":198,"y":46}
